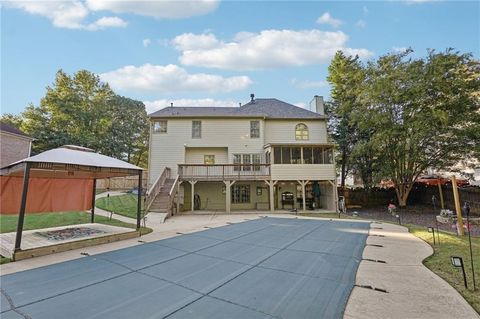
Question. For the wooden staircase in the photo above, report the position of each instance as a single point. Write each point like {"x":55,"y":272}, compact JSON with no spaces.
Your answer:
{"x":160,"y":198}
{"x":162,"y":202}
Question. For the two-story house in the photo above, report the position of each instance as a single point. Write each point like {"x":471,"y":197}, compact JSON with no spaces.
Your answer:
{"x":264,"y":155}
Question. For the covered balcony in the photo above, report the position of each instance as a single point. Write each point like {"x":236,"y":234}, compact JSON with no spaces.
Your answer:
{"x":301,"y":161}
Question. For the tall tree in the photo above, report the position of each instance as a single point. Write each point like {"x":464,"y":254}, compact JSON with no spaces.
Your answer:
{"x":129,"y":130}
{"x":82,"y":110}
{"x":426,"y":113}
{"x":12,"y":120}
{"x":345,"y":77}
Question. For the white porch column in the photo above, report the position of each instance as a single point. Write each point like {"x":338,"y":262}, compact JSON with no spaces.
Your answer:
{"x":303,"y":184}
{"x":192,"y":183}
{"x":228,"y":195}
{"x":178,"y":196}
{"x":271,"y":184}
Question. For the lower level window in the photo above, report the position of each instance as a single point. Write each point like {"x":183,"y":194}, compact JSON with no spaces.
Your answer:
{"x":241,"y":194}
{"x":209,"y":159}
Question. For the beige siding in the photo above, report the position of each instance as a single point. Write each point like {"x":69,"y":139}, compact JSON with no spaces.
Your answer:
{"x":196,"y":155}
{"x":283,"y":131}
{"x":212,"y":197}
{"x":294,"y":172}
{"x":13,"y":148}
{"x":168,"y":150}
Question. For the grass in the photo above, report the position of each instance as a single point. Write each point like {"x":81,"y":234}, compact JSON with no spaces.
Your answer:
{"x":8,"y":223}
{"x":439,"y":262}
{"x":125,"y":205}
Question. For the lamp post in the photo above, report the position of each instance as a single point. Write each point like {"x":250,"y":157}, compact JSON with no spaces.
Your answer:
{"x":399,"y":219}
{"x":434,"y":203}
{"x":466,"y":210}
{"x":458,"y":263}
{"x":432,"y":230}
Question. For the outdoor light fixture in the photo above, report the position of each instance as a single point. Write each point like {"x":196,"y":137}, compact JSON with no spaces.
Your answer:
{"x":466,"y":211}
{"x":457,"y":262}
{"x":399,"y":219}
{"x":432,"y":230}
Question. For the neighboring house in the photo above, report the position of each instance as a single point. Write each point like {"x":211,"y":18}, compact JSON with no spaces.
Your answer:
{"x":266,"y":154}
{"x":14,"y":144}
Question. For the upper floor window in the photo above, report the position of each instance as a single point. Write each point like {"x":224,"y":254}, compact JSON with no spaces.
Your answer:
{"x":254,"y":129}
{"x":160,"y":126}
{"x":301,"y":132}
{"x":247,"y":162}
{"x":196,"y":129}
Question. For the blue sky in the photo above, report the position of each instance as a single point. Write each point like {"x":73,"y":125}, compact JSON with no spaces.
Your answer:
{"x":212,"y":52}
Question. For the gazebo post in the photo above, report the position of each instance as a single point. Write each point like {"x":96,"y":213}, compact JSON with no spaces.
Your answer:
{"x":23,"y":204}
{"x":94,"y":190}
{"x":139,"y":203}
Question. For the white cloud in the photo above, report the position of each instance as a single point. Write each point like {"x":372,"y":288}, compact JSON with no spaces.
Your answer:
{"x":399,"y":49}
{"x":171,"y":78}
{"x":106,"y":22}
{"x":326,"y":18}
{"x":164,"y":9}
{"x":361,"y":23}
{"x":156,"y":105}
{"x":73,"y":14}
{"x":307,"y":84}
{"x":267,"y":49}
{"x":66,"y":14}
{"x":190,"y":41}
{"x":146,"y":42}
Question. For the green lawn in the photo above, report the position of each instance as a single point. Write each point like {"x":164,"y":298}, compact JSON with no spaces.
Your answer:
{"x":439,"y":262}
{"x":8,"y":223}
{"x":125,"y":205}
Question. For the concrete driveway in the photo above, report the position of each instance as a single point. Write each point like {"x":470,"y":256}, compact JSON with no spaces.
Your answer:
{"x":265,"y":268}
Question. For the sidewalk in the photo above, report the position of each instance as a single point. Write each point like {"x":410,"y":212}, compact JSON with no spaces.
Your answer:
{"x":154,"y":220}
{"x":413,"y":291}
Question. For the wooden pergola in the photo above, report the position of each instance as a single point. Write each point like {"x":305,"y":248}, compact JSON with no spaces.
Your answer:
{"x":69,"y":162}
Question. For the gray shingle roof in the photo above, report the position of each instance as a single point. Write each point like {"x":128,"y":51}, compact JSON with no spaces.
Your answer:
{"x":13,"y":130}
{"x":268,"y":108}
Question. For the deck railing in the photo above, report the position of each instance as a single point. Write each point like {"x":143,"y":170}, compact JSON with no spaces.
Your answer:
{"x":155,"y":188}
{"x":218,"y":172}
{"x":172,"y":197}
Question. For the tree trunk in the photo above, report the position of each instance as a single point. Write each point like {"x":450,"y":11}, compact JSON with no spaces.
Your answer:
{"x":344,"y":166}
{"x":403,"y":191}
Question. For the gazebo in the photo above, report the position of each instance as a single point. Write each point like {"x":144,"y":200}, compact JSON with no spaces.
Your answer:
{"x":69,"y":162}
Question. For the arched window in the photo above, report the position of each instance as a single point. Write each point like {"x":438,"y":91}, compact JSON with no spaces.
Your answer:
{"x":301,"y":132}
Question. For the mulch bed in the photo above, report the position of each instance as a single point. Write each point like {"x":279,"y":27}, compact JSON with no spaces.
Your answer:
{"x":418,"y":215}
